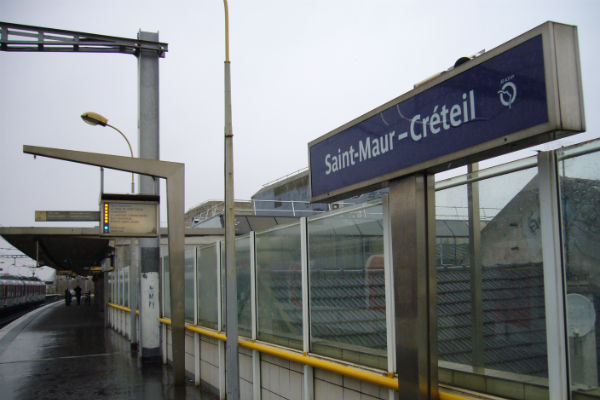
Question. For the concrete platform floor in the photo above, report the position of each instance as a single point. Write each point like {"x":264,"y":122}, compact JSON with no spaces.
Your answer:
{"x":60,"y":352}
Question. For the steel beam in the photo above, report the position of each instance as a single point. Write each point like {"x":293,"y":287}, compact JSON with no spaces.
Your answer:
{"x":26,"y":38}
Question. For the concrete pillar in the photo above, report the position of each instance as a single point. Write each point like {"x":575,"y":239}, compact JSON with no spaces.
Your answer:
{"x":149,"y":248}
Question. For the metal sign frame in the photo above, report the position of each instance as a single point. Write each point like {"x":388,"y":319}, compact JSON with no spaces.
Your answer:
{"x":564,"y":107}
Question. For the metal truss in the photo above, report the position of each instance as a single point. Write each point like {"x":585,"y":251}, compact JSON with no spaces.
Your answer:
{"x":25,"y":38}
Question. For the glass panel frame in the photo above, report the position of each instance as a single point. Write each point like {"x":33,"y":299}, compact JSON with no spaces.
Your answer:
{"x":207,"y":284}
{"x":189,"y":266}
{"x":166,"y":287}
{"x":347,"y":285}
{"x":578,"y":171}
{"x":510,"y":280}
{"x":278,"y":292}
{"x":244,"y":292}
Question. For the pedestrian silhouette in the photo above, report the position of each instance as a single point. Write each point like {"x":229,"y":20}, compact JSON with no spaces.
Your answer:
{"x":78,"y":295}
{"x":68,"y":297}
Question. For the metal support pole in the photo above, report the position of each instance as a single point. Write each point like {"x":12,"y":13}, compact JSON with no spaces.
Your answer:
{"x":476,"y":272}
{"x":256,"y":373}
{"x":309,"y":373}
{"x":554,"y":278}
{"x":412,"y":219}
{"x":175,"y":207}
{"x":389,"y":293}
{"x":148,"y":142}
{"x":232,"y":358}
{"x":133,"y":295}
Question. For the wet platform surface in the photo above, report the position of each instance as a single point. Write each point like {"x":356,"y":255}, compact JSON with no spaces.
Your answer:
{"x":60,"y":352}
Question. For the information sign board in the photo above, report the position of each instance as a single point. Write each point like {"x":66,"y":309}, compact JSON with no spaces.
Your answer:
{"x":65,"y":216}
{"x":525,"y":92}
{"x":120,"y":217}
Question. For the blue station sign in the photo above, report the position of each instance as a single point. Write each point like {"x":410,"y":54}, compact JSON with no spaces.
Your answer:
{"x":504,"y":100}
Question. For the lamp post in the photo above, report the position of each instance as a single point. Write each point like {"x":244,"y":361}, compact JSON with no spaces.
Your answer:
{"x":93,"y":118}
{"x":232,"y":359}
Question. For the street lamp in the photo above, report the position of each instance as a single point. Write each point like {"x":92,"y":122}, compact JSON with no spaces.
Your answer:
{"x":93,"y":118}
{"x":231,"y":351}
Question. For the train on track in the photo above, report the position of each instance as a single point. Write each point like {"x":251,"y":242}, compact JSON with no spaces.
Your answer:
{"x":18,"y":291}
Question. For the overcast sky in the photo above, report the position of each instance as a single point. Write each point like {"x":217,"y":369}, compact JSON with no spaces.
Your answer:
{"x":299,"y":70}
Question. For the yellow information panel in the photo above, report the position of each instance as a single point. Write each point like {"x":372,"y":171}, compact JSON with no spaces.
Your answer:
{"x":129,"y":218}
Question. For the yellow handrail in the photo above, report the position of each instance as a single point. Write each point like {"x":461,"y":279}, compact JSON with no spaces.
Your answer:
{"x":377,"y":379}
{"x":122,"y":308}
{"x":381,"y":380}
{"x":206,"y":332}
{"x":118,"y":307}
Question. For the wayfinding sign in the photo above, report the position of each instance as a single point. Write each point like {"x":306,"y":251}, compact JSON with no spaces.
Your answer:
{"x":62,"y":216}
{"x":525,"y":92}
{"x":129,"y":215}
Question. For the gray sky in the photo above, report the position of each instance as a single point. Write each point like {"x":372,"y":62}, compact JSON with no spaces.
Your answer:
{"x":299,"y":70}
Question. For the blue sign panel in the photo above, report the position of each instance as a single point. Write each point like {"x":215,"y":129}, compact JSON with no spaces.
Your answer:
{"x":495,"y":98}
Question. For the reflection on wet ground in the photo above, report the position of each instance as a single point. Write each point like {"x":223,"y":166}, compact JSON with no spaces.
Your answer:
{"x":66,"y":353}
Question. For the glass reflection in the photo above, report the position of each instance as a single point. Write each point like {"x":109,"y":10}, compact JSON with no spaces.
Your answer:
{"x":490,"y":285}
{"x":190,"y":256}
{"x":279,"y":294}
{"x":242,"y":259}
{"x":166,"y":287}
{"x":207,"y":286}
{"x":580,"y":207}
{"x":347,"y":287}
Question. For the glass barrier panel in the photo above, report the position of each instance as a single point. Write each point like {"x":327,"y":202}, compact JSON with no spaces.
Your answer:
{"x":242,"y":259}
{"x":223,"y":274}
{"x":579,"y":178}
{"x":136,"y":291}
{"x":122,"y":261}
{"x":126,"y":286}
{"x":453,"y":276}
{"x":166,"y":287}
{"x":347,"y":287}
{"x":491,"y":310}
{"x":206,"y":263}
{"x":115,"y":287}
{"x":279,"y":294}
{"x":190,"y":259}
{"x":111,"y":285}
{"x":120,"y":287}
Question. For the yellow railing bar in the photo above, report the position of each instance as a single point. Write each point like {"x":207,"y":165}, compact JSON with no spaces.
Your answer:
{"x":451,"y":396}
{"x":118,"y":307}
{"x":122,"y":308}
{"x":206,"y":332}
{"x":381,"y":380}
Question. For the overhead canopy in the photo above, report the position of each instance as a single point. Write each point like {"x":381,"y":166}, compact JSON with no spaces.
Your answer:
{"x":74,"y":249}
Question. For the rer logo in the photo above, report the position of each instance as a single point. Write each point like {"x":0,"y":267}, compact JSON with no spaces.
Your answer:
{"x":508,"y":91}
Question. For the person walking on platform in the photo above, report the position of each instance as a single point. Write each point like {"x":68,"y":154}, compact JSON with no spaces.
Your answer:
{"x":67,"y":297}
{"x":78,"y":295}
